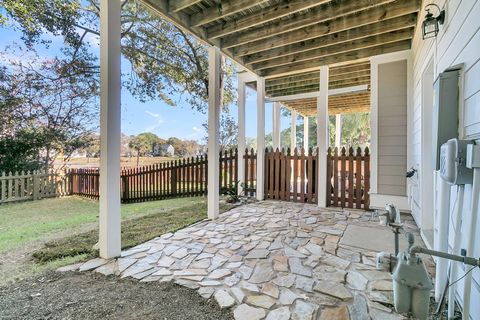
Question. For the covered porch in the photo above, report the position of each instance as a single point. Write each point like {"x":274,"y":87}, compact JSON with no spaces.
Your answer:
{"x":324,"y":52}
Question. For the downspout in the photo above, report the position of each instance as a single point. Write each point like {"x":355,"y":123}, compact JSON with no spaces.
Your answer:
{"x":443,"y":213}
{"x":454,"y":266}
{"x":473,"y":161}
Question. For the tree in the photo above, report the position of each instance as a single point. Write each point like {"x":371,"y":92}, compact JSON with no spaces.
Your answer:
{"x":184,"y":148}
{"x":228,"y":131}
{"x":53,"y":102}
{"x":356,"y":129}
{"x":164,"y":60}
{"x":143,"y":144}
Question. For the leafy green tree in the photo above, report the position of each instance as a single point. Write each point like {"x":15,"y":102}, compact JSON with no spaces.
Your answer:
{"x":21,"y":152}
{"x":165,"y":61}
{"x":51,"y":100}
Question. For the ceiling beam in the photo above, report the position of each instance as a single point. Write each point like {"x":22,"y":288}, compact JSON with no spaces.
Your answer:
{"x":394,"y":24}
{"x":315,"y":16}
{"x":270,"y":13}
{"x":336,"y":73}
{"x":364,"y":78}
{"x":349,"y":68}
{"x":222,"y":10}
{"x":179,"y":5}
{"x":315,"y":94}
{"x":376,"y":14}
{"x":336,"y":49}
{"x":349,"y":82}
{"x":315,"y":64}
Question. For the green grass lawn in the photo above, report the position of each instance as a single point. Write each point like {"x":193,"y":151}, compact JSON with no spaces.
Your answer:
{"x":62,"y":231}
{"x":26,"y":222}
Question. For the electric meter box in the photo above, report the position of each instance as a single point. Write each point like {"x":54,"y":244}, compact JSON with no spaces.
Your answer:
{"x":445,"y":112}
{"x":453,"y":162}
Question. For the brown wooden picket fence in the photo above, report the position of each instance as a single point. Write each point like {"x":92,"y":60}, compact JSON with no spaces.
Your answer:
{"x":250,"y":178}
{"x":85,"y":182}
{"x":348,"y":178}
{"x":34,"y":185}
{"x":179,"y":178}
{"x":291,"y":176}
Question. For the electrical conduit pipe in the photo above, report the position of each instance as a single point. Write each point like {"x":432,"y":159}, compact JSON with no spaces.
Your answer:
{"x":473,"y":161}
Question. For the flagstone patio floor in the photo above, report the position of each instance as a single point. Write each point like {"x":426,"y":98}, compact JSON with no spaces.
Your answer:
{"x":269,"y":260}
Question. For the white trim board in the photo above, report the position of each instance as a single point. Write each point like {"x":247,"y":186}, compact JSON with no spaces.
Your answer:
{"x":380,"y":200}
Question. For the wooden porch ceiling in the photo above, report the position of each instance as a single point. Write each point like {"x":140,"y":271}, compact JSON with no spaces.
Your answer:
{"x":287,"y":41}
{"x":337,"y":104}
{"x":343,"y":76}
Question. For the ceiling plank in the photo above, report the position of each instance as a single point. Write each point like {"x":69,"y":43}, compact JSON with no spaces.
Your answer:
{"x":222,"y":10}
{"x":394,"y":24}
{"x":336,"y":73}
{"x":179,"y":5}
{"x":377,"y":14}
{"x":315,"y":64}
{"x":350,"y":68}
{"x":181,"y":20}
{"x":326,"y":12}
{"x":336,"y":49}
{"x":360,"y":77}
{"x":268,"y":14}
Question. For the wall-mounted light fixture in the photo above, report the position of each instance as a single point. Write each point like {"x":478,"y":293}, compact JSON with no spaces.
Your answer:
{"x":430,"y":23}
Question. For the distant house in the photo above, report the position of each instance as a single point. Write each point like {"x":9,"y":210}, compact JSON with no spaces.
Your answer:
{"x":163,"y":150}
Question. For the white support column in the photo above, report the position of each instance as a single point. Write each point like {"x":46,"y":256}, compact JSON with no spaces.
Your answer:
{"x":260,"y":136}
{"x":338,"y":130}
{"x":213,"y":131}
{"x":110,"y":130}
{"x":306,"y":133}
{"x":276,"y":125}
{"x":241,"y":134}
{"x":322,"y":136}
{"x":293,"y":131}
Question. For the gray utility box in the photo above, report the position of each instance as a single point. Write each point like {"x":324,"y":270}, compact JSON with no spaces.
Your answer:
{"x":445,"y":112}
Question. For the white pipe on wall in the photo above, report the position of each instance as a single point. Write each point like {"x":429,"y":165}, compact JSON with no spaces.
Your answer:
{"x":454,"y":266}
{"x":441,"y":239}
{"x":472,"y":224}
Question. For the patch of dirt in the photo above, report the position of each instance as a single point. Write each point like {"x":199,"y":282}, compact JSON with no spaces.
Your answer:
{"x":74,"y":295}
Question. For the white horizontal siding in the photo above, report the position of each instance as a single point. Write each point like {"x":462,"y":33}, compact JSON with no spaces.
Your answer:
{"x":458,"y":42}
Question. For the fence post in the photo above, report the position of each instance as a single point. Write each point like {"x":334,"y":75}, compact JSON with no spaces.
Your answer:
{"x":173,"y":168}
{"x":36,"y":185}
{"x":123,"y":179}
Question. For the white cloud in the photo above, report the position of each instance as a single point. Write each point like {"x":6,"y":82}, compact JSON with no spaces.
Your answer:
{"x":157,"y":123}
{"x":197,"y":129}
{"x":150,"y":113}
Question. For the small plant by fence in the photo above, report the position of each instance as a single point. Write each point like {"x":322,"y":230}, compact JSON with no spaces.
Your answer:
{"x":33,"y":185}
{"x":348,"y":178}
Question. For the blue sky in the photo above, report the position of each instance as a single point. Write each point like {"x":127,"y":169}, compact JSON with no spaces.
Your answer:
{"x":154,"y":116}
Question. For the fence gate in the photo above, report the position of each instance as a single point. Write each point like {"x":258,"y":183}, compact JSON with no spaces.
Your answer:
{"x":291,"y":176}
{"x":348,"y":178}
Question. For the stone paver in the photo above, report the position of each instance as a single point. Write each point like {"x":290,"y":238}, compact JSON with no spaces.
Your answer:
{"x":268,"y":260}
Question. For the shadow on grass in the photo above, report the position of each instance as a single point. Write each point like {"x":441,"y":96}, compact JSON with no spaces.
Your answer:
{"x":134,"y":232}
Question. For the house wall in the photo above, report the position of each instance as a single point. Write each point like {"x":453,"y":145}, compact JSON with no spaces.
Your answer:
{"x":392,"y":128}
{"x":458,"y":42}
